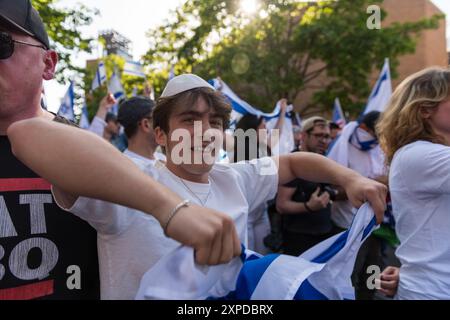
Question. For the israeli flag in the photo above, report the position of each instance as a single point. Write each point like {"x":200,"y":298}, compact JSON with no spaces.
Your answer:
{"x":338,"y":114}
{"x":84,"y":119}
{"x":240,"y":107}
{"x":100,"y":76}
{"x":66,"y":108}
{"x":134,"y":68}
{"x":382,"y":92}
{"x":115,"y":86}
{"x":321,"y":273}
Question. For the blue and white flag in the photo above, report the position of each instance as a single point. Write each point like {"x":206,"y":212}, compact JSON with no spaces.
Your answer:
{"x":241,"y":107}
{"x":67,"y":103}
{"x":84,"y":119}
{"x":134,"y":68}
{"x":115,"y":86}
{"x":382,"y":92}
{"x":321,"y":273}
{"x":100,"y":76}
{"x":338,"y":114}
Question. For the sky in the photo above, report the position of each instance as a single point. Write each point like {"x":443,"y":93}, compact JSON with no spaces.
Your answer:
{"x":133,"y":18}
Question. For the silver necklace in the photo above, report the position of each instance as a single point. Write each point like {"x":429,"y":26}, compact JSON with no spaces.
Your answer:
{"x":193,"y":193}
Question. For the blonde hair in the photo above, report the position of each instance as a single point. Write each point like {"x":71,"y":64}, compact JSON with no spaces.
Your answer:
{"x":403,"y":123}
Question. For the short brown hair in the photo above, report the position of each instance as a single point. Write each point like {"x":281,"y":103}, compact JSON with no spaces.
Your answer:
{"x":166,"y":106}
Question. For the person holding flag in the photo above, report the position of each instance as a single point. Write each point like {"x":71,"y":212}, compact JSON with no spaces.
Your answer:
{"x":186,"y":103}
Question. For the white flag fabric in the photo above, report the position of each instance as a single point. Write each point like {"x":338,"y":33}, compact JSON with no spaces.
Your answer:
{"x":382,"y":92}
{"x":339,"y":152}
{"x":241,"y":107}
{"x":84,"y":119}
{"x":100,"y":76}
{"x":286,"y":142}
{"x":115,"y":86}
{"x":323,"y":272}
{"x":134,"y":68}
{"x":66,"y":108}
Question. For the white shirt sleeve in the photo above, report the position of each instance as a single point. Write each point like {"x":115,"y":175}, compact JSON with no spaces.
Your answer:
{"x":107,"y":217}
{"x":259,"y":180}
{"x":426,"y":168}
{"x":97,"y":126}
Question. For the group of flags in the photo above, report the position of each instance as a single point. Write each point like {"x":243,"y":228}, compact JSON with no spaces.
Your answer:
{"x":322,"y":272}
{"x":241,"y":107}
{"x":378,"y":100}
{"x":115,"y":86}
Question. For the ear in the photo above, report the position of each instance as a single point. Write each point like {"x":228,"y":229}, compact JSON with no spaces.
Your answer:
{"x":50,"y":61}
{"x":425,"y":112}
{"x":160,"y":137}
{"x":144,"y":125}
{"x":303,"y":136}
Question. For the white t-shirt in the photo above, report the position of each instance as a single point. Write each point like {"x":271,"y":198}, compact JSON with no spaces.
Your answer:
{"x":420,"y":190}
{"x":157,"y":155}
{"x":131,"y":242}
{"x":138,"y":158}
{"x":258,"y":228}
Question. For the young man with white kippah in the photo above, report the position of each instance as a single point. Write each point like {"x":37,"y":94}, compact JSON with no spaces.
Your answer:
{"x":191,"y":110}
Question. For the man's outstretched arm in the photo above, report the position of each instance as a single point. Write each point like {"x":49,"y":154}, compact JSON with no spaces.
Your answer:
{"x":316,"y":168}
{"x":82,"y":164}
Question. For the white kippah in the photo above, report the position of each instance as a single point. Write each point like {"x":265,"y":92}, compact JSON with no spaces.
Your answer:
{"x":184,"y":83}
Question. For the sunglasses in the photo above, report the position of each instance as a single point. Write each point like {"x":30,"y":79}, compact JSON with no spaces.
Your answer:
{"x":7,"y":45}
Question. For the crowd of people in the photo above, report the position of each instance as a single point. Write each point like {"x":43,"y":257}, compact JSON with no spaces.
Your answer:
{"x":114,"y":199}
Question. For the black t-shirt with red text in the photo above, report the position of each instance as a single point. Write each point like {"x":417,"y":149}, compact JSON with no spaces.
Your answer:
{"x":45,"y":252}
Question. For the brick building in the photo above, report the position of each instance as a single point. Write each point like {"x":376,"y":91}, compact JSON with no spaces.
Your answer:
{"x":431,"y":49}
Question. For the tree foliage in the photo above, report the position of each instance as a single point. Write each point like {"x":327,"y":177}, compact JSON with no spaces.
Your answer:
{"x":284,"y":49}
{"x":113,"y":63}
{"x":64,"y":29}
